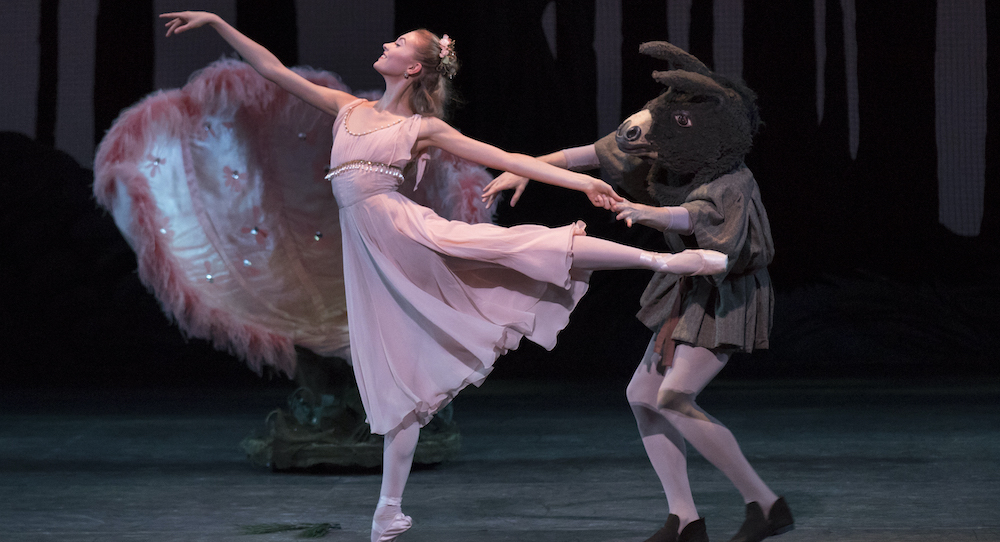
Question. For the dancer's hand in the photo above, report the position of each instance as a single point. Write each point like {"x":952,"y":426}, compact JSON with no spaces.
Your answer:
{"x":600,"y":193}
{"x":631,"y":212}
{"x":673,"y":219}
{"x":182,"y":21}
{"x":505,"y":181}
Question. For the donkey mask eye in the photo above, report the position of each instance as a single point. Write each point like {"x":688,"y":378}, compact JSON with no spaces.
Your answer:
{"x":682,"y":119}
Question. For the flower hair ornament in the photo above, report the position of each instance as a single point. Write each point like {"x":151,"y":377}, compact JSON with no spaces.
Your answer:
{"x":448,"y":63}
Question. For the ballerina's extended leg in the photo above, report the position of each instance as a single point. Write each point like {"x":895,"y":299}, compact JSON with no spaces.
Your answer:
{"x":693,"y":261}
{"x":591,"y":253}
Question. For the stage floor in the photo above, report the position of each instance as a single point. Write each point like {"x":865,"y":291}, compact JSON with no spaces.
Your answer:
{"x":540,"y":462}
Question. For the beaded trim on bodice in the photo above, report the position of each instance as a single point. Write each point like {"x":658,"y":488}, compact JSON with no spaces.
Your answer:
{"x":347,"y":117}
{"x":365,"y":165}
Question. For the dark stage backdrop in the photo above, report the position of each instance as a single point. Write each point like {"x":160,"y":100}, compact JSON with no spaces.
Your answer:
{"x":877,"y":271}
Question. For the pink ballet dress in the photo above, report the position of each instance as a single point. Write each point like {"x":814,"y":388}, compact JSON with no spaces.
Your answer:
{"x":432,"y":303}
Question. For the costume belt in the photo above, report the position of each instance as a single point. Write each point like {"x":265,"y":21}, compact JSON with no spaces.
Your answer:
{"x":367,"y":166}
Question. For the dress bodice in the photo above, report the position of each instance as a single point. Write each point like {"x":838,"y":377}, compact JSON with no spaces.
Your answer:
{"x":358,"y":159}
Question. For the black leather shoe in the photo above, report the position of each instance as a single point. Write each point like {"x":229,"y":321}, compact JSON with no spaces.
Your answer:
{"x":756,"y":527}
{"x":693,"y":532}
{"x":667,"y":533}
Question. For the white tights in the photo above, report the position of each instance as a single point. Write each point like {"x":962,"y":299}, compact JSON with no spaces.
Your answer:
{"x":592,"y":254}
{"x":664,"y":430}
{"x":397,"y":458}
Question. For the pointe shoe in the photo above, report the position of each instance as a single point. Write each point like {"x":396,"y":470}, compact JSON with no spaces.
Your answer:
{"x":399,"y":525}
{"x":692,"y":532}
{"x":693,"y":261}
{"x":756,"y":527}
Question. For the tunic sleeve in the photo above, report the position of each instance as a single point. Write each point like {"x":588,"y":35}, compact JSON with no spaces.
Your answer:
{"x":727,"y":216}
{"x":718,"y":215}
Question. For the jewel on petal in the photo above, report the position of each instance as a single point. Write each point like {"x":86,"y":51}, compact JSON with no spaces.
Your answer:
{"x":318,"y":235}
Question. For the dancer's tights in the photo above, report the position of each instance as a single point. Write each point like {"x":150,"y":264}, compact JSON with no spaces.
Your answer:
{"x":664,"y":430}
{"x":591,"y":253}
{"x":397,"y":458}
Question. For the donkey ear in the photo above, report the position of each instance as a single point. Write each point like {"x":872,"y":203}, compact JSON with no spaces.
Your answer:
{"x":677,"y":57}
{"x":692,"y":83}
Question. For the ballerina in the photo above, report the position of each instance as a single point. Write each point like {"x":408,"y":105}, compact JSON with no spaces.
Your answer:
{"x":433,"y":303}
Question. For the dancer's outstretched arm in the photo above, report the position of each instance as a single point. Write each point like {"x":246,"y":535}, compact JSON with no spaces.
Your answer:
{"x":575,"y":158}
{"x":517,"y":183}
{"x":437,"y":133}
{"x":672,"y":219}
{"x":325,"y":99}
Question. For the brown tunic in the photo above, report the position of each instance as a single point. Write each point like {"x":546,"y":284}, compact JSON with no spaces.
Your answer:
{"x":731,"y":311}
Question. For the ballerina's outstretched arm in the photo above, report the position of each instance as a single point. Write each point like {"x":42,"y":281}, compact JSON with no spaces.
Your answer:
{"x":575,"y":158}
{"x":323,"y":98}
{"x":673,"y":219}
{"x":437,"y":133}
{"x":517,"y":183}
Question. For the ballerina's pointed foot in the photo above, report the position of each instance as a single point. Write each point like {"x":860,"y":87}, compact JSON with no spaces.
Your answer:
{"x":399,"y":525}
{"x":694,"y":261}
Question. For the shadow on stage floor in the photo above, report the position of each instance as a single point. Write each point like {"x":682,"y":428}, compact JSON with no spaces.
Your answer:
{"x":858,"y":460}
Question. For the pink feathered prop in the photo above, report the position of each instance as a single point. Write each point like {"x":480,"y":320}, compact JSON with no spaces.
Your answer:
{"x":218,"y":187}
